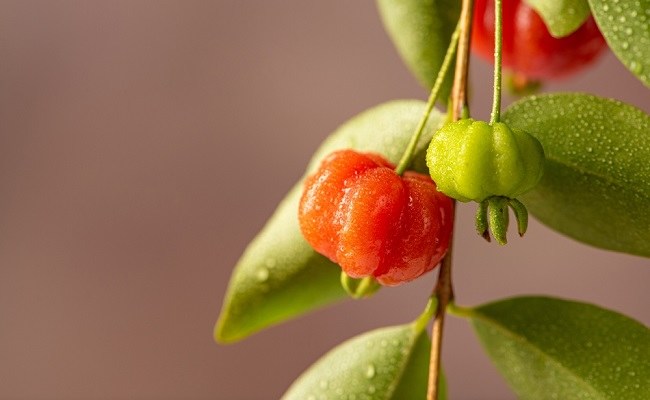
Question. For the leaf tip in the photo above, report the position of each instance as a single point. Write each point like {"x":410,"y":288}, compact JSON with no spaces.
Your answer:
{"x":223,"y":332}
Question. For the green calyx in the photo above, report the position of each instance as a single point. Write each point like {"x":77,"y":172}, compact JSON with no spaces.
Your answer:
{"x":359,"y":288}
{"x":472,"y":160}
{"x":492,"y":218}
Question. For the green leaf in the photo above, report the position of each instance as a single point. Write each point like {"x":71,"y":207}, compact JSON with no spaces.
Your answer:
{"x":562,"y":17}
{"x":387,"y":363}
{"x":596,"y":183}
{"x":626,"y":28}
{"x":280,"y":276}
{"x":549,"y":348}
{"x":421,"y":31}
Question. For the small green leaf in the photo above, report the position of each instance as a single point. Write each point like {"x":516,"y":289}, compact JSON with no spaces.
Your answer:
{"x":626,"y":28}
{"x":596,"y":182}
{"x":562,"y":17}
{"x":549,"y":348}
{"x":421,"y":31}
{"x":384,"y":364}
{"x":280,"y":276}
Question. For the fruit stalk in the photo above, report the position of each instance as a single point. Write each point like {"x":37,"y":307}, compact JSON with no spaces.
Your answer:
{"x":498,"y":43}
{"x":435,"y":91}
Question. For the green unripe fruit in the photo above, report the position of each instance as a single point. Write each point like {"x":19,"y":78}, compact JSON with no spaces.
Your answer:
{"x":472,"y":160}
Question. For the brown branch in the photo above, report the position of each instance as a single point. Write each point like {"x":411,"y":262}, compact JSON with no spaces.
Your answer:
{"x":459,"y":89}
{"x":444,"y":291}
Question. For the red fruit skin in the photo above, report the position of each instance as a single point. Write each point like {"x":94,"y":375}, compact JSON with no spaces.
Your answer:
{"x":359,"y":213}
{"x":322,"y":196}
{"x":528,"y":47}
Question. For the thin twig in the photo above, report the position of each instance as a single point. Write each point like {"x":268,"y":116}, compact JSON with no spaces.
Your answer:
{"x":495,"y":116}
{"x":459,"y":89}
{"x":445,"y":293}
{"x":435,"y":91}
{"x":444,"y":287}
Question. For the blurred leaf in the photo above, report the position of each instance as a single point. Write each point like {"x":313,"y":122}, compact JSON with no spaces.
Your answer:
{"x":596,"y":183}
{"x":280,"y":276}
{"x":626,"y":28}
{"x":562,"y":17}
{"x":421,"y":31}
{"x":384,"y":364}
{"x":549,"y":348}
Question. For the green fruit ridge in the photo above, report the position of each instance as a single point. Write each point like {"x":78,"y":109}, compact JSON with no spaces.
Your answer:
{"x":472,"y":160}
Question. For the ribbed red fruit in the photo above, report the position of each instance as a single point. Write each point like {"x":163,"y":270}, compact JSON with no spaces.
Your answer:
{"x":359,"y":213}
{"x":528,"y":47}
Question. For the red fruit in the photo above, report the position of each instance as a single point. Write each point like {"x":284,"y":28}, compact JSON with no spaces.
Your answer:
{"x":359,"y":213}
{"x":528,"y":47}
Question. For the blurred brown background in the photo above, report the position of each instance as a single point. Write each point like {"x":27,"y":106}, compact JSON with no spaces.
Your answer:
{"x":144,"y":143}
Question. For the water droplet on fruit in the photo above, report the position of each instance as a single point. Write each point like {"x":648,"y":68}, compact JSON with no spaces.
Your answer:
{"x":262,"y":274}
{"x":370,"y":371}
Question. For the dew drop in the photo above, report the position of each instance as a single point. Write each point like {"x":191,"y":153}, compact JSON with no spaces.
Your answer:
{"x":262,"y":274}
{"x":636,"y":67}
{"x":370,"y":371}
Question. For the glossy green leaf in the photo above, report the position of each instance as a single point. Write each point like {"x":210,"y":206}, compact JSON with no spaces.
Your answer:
{"x":388,"y":363}
{"x":549,"y":348}
{"x":280,"y":276}
{"x":421,"y":31}
{"x":562,"y":17}
{"x":596,"y":183}
{"x":626,"y":27}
